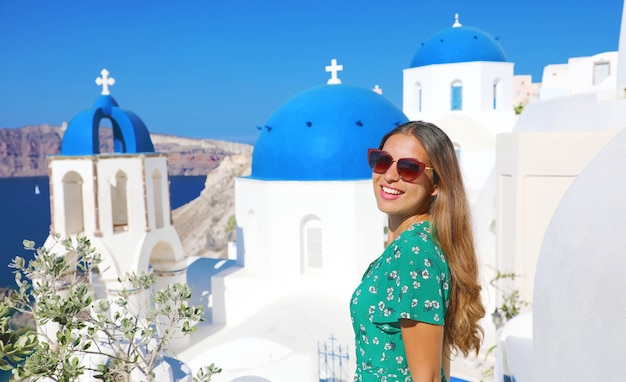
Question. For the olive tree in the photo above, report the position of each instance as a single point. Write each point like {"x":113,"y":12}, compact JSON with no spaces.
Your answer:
{"x":79,"y":337}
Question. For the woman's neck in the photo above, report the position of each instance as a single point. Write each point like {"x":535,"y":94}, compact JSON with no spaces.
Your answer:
{"x":396,"y":228}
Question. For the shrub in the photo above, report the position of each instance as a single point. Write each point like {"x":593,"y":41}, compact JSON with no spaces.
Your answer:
{"x":79,"y":336}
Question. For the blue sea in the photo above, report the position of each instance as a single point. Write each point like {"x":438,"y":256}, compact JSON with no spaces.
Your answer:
{"x":25,"y":214}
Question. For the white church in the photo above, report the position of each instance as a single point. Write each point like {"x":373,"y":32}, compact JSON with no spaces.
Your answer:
{"x":546,"y":205}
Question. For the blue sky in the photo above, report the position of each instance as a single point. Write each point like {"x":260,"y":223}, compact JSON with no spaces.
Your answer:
{"x":218,"y":69}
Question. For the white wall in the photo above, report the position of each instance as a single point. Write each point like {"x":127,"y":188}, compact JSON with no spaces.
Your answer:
{"x":270,"y":215}
{"x":477,"y":78}
{"x":130,"y":249}
{"x":579,"y":304}
{"x":577,"y":76}
{"x":346,"y":209}
{"x":534,"y":170}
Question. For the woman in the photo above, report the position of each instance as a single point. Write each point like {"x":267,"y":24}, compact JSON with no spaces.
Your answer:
{"x":420,"y":299}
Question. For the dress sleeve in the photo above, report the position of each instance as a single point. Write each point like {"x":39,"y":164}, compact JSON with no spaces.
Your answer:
{"x":414,"y":284}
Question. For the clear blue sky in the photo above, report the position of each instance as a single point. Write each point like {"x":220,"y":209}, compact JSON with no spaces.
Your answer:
{"x":218,"y":69}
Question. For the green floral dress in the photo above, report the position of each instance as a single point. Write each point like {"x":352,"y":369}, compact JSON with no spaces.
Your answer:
{"x":409,"y":280}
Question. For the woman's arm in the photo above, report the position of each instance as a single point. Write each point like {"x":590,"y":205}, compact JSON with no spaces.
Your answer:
{"x":423,"y":344}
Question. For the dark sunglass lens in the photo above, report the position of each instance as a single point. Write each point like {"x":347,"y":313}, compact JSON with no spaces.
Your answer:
{"x":379,"y":161}
{"x":409,"y":170}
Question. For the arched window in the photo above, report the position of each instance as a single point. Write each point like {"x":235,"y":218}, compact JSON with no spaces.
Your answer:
{"x":73,"y":203}
{"x":312,"y":246}
{"x":497,"y":94}
{"x":418,"y":93}
{"x":157,"y":186}
{"x":119,"y":201}
{"x":456,"y":95}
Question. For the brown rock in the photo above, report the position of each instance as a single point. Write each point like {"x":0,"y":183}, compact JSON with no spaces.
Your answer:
{"x":25,"y":151}
{"x":206,"y":224}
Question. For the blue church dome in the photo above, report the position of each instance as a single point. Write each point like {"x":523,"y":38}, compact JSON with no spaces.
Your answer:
{"x":323,"y":134}
{"x":130,"y":135}
{"x":459,"y":44}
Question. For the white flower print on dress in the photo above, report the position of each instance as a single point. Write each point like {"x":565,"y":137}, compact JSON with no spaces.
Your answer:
{"x":398,"y":273}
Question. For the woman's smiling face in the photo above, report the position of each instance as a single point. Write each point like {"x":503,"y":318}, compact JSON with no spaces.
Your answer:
{"x":404,"y":201}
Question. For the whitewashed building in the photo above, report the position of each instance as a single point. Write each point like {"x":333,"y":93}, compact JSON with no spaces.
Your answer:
{"x":461,"y":80}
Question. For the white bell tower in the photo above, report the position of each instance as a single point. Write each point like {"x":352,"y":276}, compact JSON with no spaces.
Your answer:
{"x":119,"y":200}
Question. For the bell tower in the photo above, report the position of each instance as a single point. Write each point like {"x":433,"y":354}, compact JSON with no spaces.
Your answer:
{"x":119,"y":200}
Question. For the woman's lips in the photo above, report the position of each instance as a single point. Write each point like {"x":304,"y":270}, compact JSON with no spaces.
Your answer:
{"x":389,"y":193}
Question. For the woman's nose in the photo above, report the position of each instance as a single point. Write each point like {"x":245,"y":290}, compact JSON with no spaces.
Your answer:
{"x":391,"y":175}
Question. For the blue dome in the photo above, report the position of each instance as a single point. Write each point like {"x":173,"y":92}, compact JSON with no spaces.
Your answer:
{"x":130,"y":135}
{"x":323,"y":134}
{"x":459,"y":44}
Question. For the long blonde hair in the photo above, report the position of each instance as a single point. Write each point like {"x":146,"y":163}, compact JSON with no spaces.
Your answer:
{"x":452,"y":229}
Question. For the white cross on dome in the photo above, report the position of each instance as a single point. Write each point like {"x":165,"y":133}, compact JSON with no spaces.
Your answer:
{"x":105,"y":81}
{"x":333,"y":68}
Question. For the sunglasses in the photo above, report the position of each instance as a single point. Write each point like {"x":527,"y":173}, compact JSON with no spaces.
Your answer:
{"x":409,"y":169}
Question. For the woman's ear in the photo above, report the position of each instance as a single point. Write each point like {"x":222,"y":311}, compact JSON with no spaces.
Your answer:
{"x":435,"y":191}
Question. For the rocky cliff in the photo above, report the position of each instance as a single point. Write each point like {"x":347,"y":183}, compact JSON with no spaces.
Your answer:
{"x":206,"y":224}
{"x":25,"y":151}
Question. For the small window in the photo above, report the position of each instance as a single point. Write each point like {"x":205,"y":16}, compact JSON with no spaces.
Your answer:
{"x":73,"y":203}
{"x":119,"y":201}
{"x":418,"y":88}
{"x":312,"y":246}
{"x":157,"y":186}
{"x":601,"y":70}
{"x":456,"y":96}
